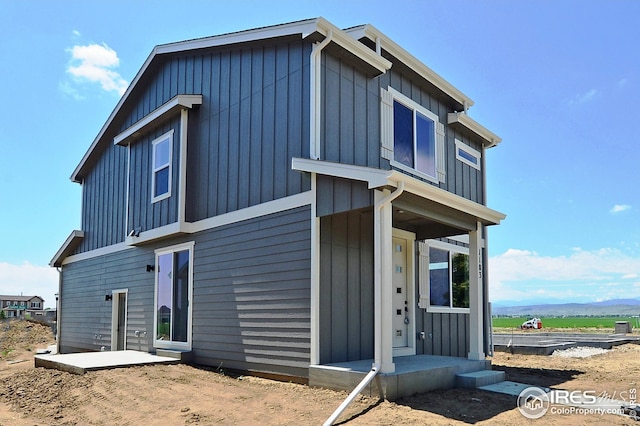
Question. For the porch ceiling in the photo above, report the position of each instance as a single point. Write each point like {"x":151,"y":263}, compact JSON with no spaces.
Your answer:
{"x":428,"y":219}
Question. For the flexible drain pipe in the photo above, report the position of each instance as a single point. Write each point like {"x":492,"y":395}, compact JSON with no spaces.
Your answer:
{"x":376,"y":366}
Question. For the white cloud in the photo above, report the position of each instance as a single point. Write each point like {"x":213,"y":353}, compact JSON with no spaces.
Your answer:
{"x":582,"y":98}
{"x":29,"y":280}
{"x":582,"y":275}
{"x":95,"y":63}
{"x":619,"y":208}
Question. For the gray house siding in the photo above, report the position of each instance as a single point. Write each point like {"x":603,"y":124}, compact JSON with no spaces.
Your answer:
{"x":346,"y":287}
{"x":251,"y":295}
{"x":254,"y":119}
{"x":142,"y":213}
{"x":446,"y":334}
{"x":351,"y":122}
{"x":85,"y":315}
{"x":104,"y":200}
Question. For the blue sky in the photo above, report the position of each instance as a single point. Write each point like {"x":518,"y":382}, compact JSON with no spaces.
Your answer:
{"x":557,"y":80}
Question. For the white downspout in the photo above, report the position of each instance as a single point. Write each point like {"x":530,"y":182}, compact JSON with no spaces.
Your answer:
{"x":377,"y":313}
{"x":315,"y":71}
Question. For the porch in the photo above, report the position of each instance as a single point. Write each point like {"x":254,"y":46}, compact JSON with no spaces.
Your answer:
{"x":413,"y":374}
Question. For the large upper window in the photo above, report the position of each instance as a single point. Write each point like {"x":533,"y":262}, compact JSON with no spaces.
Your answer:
{"x":414,"y":139}
{"x":173,"y":292}
{"x":412,"y":136}
{"x":161,"y":167}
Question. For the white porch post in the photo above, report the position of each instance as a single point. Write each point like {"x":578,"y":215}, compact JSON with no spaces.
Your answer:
{"x":476,"y":302}
{"x":383,"y":343}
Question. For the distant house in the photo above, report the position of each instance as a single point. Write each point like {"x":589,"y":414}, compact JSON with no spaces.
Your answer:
{"x":281,"y":198}
{"x":20,"y":306}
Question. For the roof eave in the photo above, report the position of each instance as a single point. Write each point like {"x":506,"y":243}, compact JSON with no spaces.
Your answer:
{"x":375,"y":35}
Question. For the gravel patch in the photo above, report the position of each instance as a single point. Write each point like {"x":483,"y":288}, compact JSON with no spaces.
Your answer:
{"x":579,"y":352}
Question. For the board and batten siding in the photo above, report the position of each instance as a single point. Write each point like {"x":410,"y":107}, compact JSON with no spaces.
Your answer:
{"x":104,"y":200}
{"x":461,"y":179}
{"x":253,"y":120}
{"x":85,"y":315}
{"x":252,"y":295}
{"x":142,"y":212}
{"x":351,"y":122}
{"x":346,"y":287}
{"x":446,"y":334}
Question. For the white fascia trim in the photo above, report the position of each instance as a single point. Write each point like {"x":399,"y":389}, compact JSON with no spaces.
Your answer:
{"x":343,"y":39}
{"x":275,"y":206}
{"x":69,"y":245}
{"x":411,"y":61}
{"x":114,"y":248}
{"x":304,"y":28}
{"x":490,"y":138}
{"x":375,"y":178}
{"x":179,"y":101}
{"x":486,"y":215}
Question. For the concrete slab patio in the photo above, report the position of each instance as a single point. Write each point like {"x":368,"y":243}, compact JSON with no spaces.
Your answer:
{"x":541,"y":343}
{"x":80,"y":363}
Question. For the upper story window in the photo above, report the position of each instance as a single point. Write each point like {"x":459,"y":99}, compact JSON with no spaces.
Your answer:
{"x":35,"y":304}
{"x":161,"y":164}
{"x":412,"y":136}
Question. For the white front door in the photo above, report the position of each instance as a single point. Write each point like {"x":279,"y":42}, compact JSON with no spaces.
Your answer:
{"x":119,"y":320}
{"x":403,"y":296}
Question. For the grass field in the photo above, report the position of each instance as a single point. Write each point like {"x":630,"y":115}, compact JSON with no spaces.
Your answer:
{"x":566,"y":322}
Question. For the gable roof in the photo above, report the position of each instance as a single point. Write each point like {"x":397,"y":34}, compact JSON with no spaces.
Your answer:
{"x":315,"y":29}
{"x":4,"y":297}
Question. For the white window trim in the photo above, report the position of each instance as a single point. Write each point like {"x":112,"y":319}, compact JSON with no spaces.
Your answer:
{"x":425,"y":286}
{"x":154,"y":143}
{"x":114,"y":317}
{"x":461,"y":146}
{"x":164,"y":344}
{"x":387,"y":98}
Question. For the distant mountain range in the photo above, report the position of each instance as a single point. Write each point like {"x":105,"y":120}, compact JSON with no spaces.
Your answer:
{"x":626,"y":307}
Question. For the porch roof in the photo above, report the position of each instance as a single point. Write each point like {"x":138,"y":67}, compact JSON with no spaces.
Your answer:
{"x":377,"y":178}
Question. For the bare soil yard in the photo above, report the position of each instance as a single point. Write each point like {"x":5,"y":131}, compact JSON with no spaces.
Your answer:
{"x":182,"y":394}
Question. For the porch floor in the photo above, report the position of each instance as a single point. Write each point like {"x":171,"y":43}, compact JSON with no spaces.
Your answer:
{"x":414,"y":374}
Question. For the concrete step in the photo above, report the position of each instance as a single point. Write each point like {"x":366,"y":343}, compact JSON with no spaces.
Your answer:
{"x":476,"y":379}
{"x":183,"y":356}
{"x":509,"y":388}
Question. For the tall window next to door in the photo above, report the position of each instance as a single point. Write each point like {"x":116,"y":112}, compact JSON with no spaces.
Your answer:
{"x":161,"y":163}
{"x":173,"y":293}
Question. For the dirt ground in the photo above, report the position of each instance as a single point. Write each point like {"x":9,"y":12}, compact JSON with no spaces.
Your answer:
{"x":181,"y":394}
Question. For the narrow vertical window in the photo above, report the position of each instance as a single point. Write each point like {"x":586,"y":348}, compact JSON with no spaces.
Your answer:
{"x":161,"y":164}
{"x":173,"y":292}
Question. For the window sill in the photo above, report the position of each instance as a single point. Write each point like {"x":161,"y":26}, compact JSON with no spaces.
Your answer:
{"x":413,"y":172}
{"x":445,"y":310}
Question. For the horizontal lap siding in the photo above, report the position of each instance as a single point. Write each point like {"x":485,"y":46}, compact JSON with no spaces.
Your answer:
{"x":85,"y":315}
{"x":346,"y":287}
{"x":254,"y":119}
{"x":252,"y":294}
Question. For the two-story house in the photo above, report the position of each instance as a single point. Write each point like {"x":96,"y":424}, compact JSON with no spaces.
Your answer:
{"x":280,"y":199}
{"x":19,"y":306}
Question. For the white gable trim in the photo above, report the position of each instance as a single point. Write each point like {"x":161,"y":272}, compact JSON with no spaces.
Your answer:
{"x":377,"y":178}
{"x":384,"y":42}
{"x":490,"y":139}
{"x":177,"y":102}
